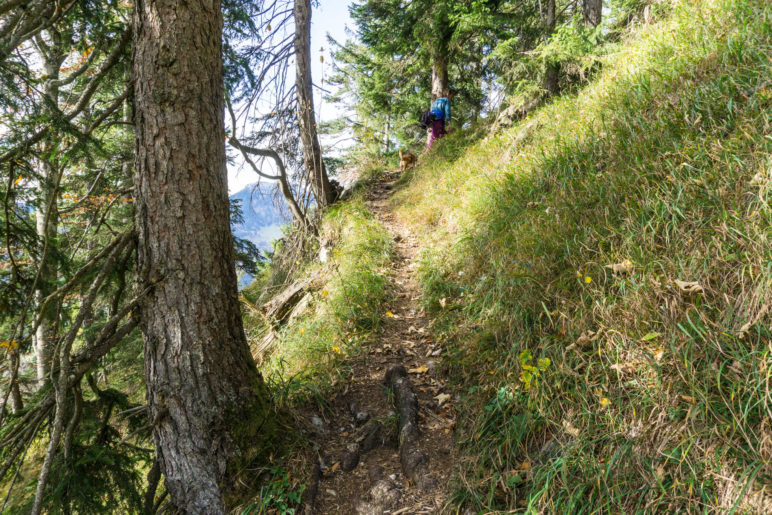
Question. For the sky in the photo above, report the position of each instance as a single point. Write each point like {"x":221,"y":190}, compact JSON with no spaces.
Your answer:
{"x":332,"y":17}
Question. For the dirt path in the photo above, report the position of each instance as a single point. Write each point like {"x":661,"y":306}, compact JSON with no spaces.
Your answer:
{"x":365,"y":415}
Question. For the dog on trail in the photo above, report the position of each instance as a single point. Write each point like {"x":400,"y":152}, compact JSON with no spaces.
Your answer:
{"x":408,"y":159}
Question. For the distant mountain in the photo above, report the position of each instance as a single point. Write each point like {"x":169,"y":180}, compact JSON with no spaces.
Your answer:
{"x":262,"y":219}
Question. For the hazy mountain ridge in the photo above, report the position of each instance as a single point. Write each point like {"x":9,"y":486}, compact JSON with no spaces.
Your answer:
{"x":262,"y":218}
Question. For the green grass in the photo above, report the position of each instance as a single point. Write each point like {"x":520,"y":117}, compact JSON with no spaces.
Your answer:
{"x":647,"y":398}
{"x":343,"y":315}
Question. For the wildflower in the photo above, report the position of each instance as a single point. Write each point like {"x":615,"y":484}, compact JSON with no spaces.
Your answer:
{"x":587,"y":279}
{"x":390,"y":314}
{"x":325,"y":292}
{"x":604,"y":401}
{"x":336,"y":349}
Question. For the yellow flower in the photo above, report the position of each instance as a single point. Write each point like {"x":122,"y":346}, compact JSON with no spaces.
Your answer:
{"x":390,"y":314}
{"x":302,"y":331}
{"x":325,"y":292}
{"x":336,"y":349}
{"x":587,"y":279}
{"x":604,"y":401}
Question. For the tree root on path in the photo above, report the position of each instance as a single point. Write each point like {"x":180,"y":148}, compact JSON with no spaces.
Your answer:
{"x":414,"y":463}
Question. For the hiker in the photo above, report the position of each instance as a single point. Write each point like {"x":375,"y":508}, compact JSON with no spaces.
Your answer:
{"x":441,"y":118}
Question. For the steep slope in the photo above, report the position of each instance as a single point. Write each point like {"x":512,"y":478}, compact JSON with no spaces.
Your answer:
{"x":603,"y":274}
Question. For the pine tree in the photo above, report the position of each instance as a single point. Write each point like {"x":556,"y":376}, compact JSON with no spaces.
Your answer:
{"x":207,"y":400}
{"x":312,"y":152}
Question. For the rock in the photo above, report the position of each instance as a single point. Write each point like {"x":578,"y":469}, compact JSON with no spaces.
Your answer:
{"x":350,"y":458}
{"x":385,"y":493}
{"x":383,"y":496}
{"x":318,"y":424}
{"x":361,"y":417}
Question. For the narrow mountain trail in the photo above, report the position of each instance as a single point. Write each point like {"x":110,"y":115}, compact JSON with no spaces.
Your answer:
{"x":381,"y":451}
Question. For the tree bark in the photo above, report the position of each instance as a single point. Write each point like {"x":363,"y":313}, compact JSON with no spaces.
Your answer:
{"x":552,"y":71}
{"x":47,"y":215}
{"x":592,"y":11}
{"x":312,"y":152}
{"x":208,"y":404}
{"x":439,"y":74}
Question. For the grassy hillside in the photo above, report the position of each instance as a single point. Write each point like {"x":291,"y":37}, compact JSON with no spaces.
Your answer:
{"x":602,"y":274}
{"x":341,"y":315}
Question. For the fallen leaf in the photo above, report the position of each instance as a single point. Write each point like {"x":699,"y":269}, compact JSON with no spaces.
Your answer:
{"x":689,"y":287}
{"x":570,"y":429}
{"x":687,"y":398}
{"x":623,"y":368}
{"x":443,"y":301}
{"x":524,"y":465}
{"x":658,"y":353}
{"x":623,"y":268}
{"x":442,"y":398}
{"x":651,"y":336}
{"x":335,"y":466}
{"x":587,"y":337}
{"x":420,"y":370}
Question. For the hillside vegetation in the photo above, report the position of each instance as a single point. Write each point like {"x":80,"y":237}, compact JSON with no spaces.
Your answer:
{"x":602,"y":272}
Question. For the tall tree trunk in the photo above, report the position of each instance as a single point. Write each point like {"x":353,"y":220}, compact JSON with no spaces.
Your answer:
{"x":387,"y":140}
{"x":17,"y":404}
{"x":592,"y":11}
{"x":46,"y":217}
{"x":441,"y":34}
{"x":46,"y":214}
{"x":312,"y":151}
{"x":439,"y":74}
{"x":208,"y":403}
{"x":551,"y":84}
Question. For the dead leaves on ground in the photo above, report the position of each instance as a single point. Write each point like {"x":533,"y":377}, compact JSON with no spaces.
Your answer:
{"x":442,"y":398}
{"x":418,"y":370}
{"x":626,"y":267}
{"x":689,"y":287}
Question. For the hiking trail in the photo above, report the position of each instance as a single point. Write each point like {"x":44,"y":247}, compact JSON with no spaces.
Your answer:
{"x":381,"y":452}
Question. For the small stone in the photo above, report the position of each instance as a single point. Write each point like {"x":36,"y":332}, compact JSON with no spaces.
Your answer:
{"x":318,"y":424}
{"x":361,"y":417}
{"x":331,"y":492}
{"x":350,"y":458}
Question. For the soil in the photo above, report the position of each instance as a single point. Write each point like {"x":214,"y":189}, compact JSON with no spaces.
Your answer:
{"x":377,"y":484}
